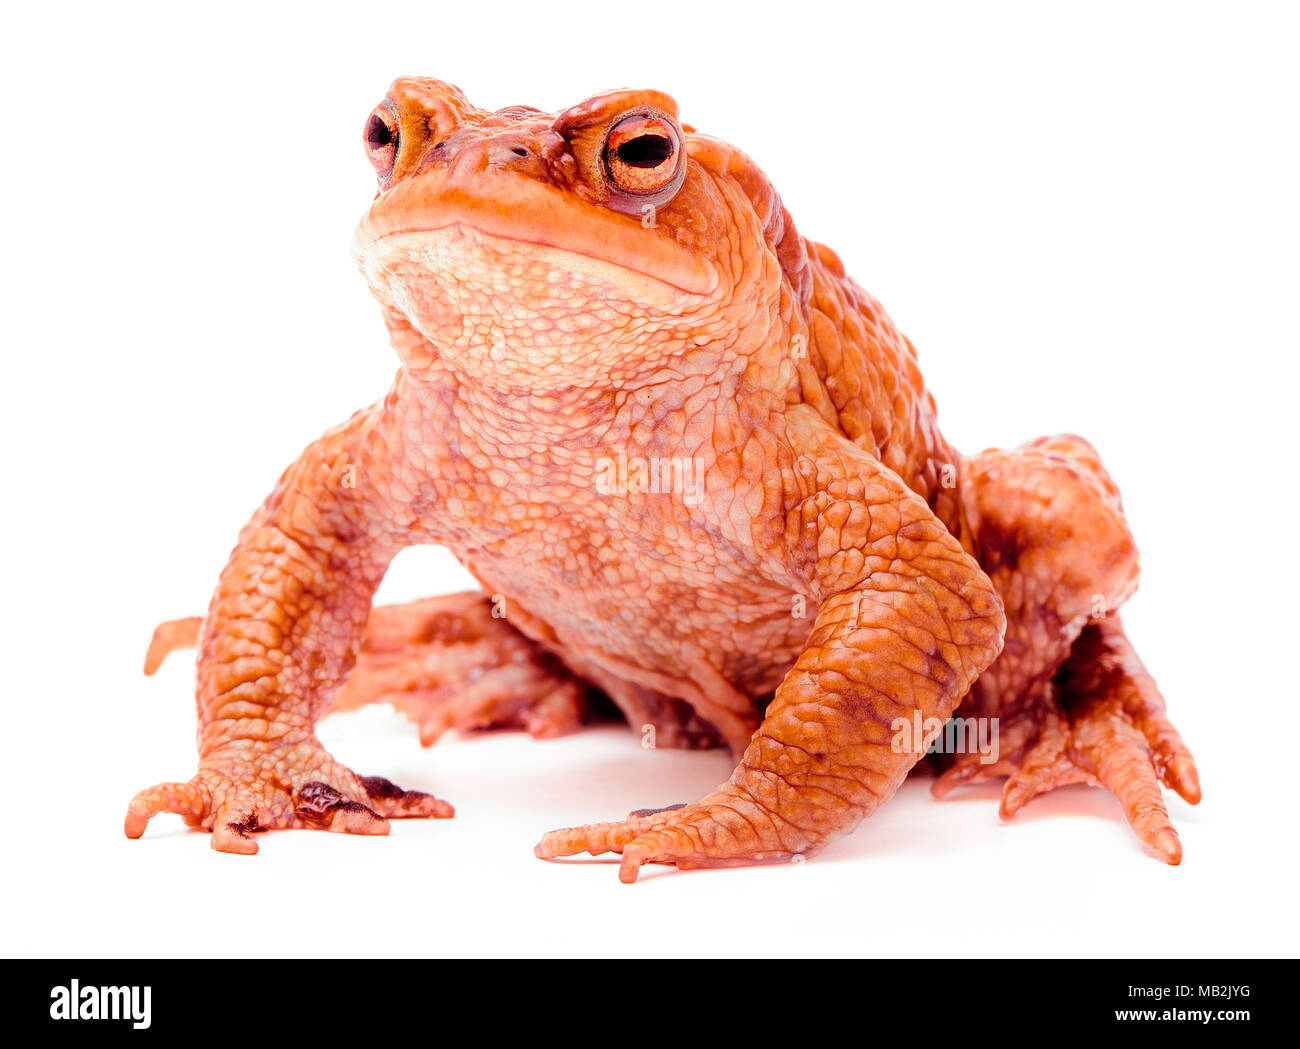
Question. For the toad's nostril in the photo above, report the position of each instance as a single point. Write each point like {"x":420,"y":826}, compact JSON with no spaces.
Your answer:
{"x":519,"y":151}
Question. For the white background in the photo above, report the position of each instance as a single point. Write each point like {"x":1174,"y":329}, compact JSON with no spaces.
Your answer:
{"x":1086,"y":219}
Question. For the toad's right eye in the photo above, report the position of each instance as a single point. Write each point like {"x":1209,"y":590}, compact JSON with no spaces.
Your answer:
{"x":381,"y":137}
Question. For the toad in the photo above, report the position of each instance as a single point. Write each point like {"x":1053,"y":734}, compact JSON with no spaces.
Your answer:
{"x":696,"y":471}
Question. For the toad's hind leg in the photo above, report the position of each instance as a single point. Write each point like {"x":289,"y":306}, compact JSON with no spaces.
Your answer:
{"x":1073,"y":701}
{"x":446,"y":663}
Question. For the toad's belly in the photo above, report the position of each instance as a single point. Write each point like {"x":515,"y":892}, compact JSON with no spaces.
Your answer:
{"x":685,"y":614}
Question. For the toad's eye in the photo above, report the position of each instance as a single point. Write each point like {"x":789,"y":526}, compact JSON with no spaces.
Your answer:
{"x":642,"y":154}
{"x":381,"y":137}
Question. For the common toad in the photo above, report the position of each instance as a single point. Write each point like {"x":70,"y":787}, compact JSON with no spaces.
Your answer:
{"x":696,"y":470}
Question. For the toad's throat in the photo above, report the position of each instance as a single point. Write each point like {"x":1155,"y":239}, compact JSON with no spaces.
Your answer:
{"x":459,"y":271}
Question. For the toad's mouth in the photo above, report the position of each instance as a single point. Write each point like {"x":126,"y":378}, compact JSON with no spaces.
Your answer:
{"x":531,"y":230}
{"x":523,"y":267}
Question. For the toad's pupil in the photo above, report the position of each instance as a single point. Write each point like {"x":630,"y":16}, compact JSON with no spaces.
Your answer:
{"x":378,"y":134}
{"x":645,"y":151}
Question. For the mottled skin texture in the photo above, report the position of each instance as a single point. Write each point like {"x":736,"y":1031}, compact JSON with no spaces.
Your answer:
{"x":559,"y":299}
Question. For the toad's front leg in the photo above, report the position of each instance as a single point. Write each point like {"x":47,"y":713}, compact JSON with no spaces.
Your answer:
{"x":906,"y":622}
{"x":446,"y":662}
{"x":281,"y":633}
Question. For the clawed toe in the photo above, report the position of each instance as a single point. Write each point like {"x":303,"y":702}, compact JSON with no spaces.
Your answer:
{"x":321,"y":806}
{"x":234,"y":834}
{"x":191,"y":801}
{"x":728,"y":828}
{"x":392,"y":801}
{"x":593,"y":838}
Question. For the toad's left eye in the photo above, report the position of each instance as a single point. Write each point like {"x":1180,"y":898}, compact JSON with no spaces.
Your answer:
{"x":642,"y":154}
